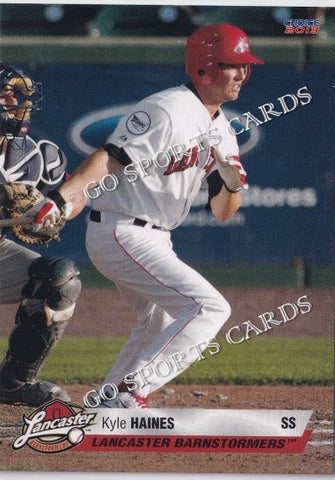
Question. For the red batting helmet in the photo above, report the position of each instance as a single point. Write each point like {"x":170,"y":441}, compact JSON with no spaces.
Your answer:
{"x":213,"y":44}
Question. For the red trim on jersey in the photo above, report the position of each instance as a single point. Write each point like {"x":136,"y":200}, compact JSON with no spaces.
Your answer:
{"x":146,"y":271}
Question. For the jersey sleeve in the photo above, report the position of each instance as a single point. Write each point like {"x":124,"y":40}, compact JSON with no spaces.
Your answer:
{"x":142,"y":134}
{"x":117,"y":153}
{"x":227,"y":145}
{"x":215,"y":184}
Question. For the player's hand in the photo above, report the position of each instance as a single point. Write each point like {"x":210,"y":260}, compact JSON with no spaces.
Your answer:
{"x":46,"y":215}
{"x":231,"y":171}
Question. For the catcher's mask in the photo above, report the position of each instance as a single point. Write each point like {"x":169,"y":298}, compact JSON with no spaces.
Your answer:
{"x":20,"y":96}
{"x":212,"y":45}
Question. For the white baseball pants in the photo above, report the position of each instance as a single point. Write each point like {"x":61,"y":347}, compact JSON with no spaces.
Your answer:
{"x":176,"y":307}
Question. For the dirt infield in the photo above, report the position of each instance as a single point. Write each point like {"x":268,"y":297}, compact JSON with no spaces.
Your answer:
{"x":91,"y":320}
{"x":102,"y":311}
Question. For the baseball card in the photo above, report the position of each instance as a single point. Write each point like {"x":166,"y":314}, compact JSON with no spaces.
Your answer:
{"x":167,"y":194}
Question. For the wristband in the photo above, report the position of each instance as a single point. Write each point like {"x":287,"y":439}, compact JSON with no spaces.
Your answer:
{"x":55,"y":196}
{"x":229,"y":190}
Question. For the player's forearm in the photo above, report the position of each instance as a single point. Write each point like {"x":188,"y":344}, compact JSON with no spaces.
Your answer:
{"x":225,"y":204}
{"x":90,"y":172}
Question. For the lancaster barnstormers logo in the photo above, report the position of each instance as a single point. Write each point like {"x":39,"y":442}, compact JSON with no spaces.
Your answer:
{"x":55,"y":427}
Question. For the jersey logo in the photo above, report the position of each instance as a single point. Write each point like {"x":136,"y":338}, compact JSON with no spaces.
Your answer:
{"x":189,"y":160}
{"x":138,"y":123}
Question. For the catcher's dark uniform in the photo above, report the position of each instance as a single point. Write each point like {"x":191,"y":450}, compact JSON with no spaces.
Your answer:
{"x":45,"y":288}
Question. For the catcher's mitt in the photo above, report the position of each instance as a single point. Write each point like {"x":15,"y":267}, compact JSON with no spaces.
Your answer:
{"x":17,"y":199}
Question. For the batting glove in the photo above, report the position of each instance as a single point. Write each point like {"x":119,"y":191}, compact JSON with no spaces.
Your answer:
{"x":50,"y":211}
{"x":232,"y":172}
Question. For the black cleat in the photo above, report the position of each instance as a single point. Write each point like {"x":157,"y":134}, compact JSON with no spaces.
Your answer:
{"x":33,"y":394}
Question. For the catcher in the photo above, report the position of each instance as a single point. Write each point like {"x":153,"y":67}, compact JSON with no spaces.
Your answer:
{"x":46,"y":289}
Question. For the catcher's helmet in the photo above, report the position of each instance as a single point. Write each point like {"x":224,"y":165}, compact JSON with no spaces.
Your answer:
{"x":22,"y":97}
{"x":213,"y":44}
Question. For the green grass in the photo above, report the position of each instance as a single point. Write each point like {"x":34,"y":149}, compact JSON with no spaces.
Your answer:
{"x":265,"y":275}
{"x":21,"y":468}
{"x":238,"y":276}
{"x":90,"y":277}
{"x":257,"y":361}
{"x":262,"y":361}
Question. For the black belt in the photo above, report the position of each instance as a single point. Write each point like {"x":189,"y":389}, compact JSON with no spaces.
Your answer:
{"x":95,"y":216}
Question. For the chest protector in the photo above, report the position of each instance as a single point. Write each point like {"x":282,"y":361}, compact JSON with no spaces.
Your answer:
{"x":41,"y":164}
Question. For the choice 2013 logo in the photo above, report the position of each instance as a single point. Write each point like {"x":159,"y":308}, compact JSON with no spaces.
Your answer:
{"x":301,"y":26}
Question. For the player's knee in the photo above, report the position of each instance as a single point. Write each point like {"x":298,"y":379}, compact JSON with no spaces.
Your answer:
{"x":225,"y":307}
{"x":55,"y":283}
{"x":219,"y":308}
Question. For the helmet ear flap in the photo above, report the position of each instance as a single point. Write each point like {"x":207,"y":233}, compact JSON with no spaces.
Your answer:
{"x":248,"y":73}
{"x":205,"y":78}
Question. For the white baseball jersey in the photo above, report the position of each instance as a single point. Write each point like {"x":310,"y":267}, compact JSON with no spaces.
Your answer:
{"x":167,"y":137}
